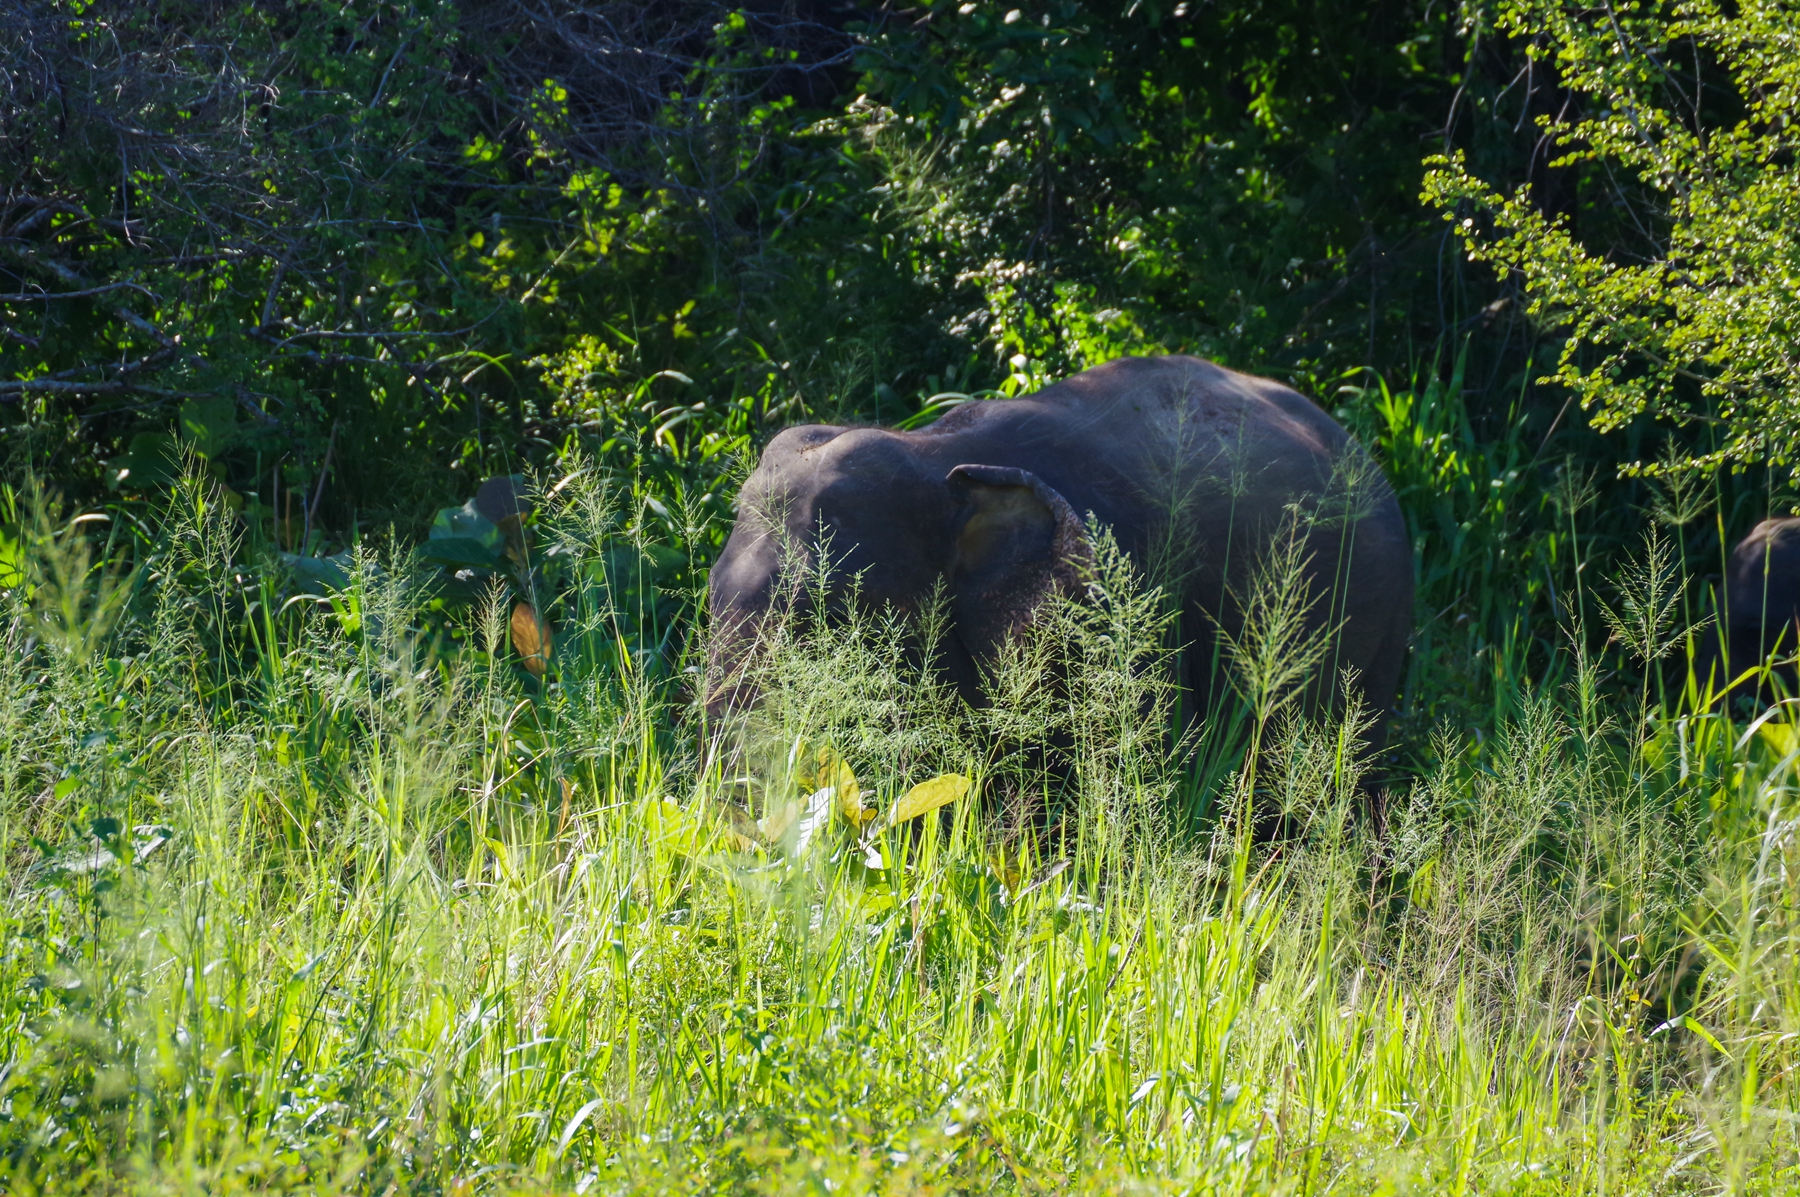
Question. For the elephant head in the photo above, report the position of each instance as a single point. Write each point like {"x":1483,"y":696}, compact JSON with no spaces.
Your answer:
{"x":890,"y":525}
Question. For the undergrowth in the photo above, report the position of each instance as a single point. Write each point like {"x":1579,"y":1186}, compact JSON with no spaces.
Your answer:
{"x":325,"y":894}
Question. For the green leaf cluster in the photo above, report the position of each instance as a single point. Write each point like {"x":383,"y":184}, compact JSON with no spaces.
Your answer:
{"x":1686,"y":122}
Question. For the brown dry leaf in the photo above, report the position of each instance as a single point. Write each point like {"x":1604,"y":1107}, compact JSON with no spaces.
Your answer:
{"x":927,"y":796}
{"x":531,"y":638}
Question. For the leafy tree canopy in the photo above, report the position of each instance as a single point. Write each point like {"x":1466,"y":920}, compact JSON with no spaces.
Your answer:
{"x":1686,"y":126}
{"x":357,"y":254}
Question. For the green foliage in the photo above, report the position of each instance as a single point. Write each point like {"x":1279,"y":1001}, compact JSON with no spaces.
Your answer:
{"x":327,"y":869}
{"x":291,"y":241}
{"x":359,"y":256}
{"x":1224,"y":180}
{"x":237,"y":202}
{"x":1693,"y":323}
{"x":1522,"y":549}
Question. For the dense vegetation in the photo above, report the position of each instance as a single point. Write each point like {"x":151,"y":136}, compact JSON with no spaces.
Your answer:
{"x":329,"y":867}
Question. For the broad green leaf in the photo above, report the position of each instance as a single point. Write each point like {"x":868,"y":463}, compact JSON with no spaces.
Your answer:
{"x":459,"y":551}
{"x":318,"y":574}
{"x":1781,"y":737}
{"x":210,"y":424}
{"x":12,"y":561}
{"x":152,"y":460}
{"x":928,"y":796}
{"x":467,"y":523}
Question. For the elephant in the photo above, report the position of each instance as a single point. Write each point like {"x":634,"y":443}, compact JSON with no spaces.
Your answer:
{"x":1193,"y":467}
{"x":1760,"y":609}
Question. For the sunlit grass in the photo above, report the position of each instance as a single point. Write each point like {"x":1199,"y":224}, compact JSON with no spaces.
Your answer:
{"x":307,"y":897}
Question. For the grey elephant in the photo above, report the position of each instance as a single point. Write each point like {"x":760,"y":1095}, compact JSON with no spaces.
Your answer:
{"x":1760,"y":611}
{"x":1193,"y":467}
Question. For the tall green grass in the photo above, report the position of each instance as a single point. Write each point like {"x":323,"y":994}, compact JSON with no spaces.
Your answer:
{"x":329,"y":895}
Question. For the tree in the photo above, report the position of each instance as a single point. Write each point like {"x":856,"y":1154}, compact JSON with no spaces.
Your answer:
{"x":336,"y":235}
{"x":1233,"y":180}
{"x":1688,"y":311}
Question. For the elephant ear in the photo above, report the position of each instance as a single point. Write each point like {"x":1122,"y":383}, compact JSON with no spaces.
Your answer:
{"x":1018,"y":543}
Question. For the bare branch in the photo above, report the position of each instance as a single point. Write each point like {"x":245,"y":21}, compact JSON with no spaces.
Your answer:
{"x":50,"y":386}
{"x":41,"y":296}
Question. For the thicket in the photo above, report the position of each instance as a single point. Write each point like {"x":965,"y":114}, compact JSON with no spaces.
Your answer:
{"x":305,"y":193}
{"x":1685,"y":314}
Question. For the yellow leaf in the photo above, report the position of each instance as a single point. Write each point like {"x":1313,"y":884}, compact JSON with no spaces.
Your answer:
{"x":802,"y":762}
{"x":1778,"y":736}
{"x":816,"y":769}
{"x":777,"y":819}
{"x":741,"y":832}
{"x":927,"y":796}
{"x":849,"y":802}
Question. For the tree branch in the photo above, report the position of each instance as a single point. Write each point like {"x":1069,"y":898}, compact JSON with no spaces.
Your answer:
{"x":40,"y":296}
{"x":52,"y":386}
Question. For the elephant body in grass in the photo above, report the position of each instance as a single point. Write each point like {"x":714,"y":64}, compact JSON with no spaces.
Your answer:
{"x":1759,"y":613}
{"x":1193,"y":467}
